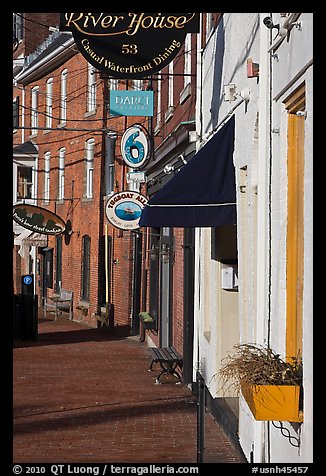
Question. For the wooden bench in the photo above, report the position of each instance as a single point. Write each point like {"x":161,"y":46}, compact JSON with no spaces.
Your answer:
{"x":63,"y":302}
{"x":169,"y":359}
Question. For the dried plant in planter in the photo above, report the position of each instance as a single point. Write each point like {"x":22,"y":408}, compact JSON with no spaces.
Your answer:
{"x":258,"y":365}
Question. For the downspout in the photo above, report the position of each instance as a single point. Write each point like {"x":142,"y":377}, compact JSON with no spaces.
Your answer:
{"x":263,"y":219}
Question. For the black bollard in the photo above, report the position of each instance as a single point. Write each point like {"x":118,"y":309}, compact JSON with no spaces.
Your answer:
{"x":200,"y":418}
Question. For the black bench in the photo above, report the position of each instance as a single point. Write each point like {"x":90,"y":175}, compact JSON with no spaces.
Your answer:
{"x":169,"y":359}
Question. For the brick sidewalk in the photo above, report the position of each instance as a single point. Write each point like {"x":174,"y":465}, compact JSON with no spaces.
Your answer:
{"x":84,"y":395}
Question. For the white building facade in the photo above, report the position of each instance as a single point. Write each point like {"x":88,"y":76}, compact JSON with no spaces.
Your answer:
{"x":262,"y":74}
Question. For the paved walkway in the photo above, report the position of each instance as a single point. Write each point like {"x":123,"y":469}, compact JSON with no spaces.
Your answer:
{"x":85,"y":395}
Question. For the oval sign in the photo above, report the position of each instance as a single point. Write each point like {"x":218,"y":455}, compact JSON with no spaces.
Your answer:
{"x":135,"y":146}
{"x":123,"y":210}
{"x":129,"y":45}
{"x":38,"y":219}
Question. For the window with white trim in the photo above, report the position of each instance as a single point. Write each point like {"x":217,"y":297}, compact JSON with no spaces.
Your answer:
{"x":63,"y":96}
{"x":114,"y":84}
{"x":187,"y":57}
{"x":18,"y":26}
{"x":89,"y":168}
{"x":46,"y":192}
{"x":24,"y":182}
{"x":48,"y":102}
{"x":170,"y":108}
{"x":171,"y":86}
{"x":91,"y":89}
{"x":61,"y":175}
{"x":210,"y":24}
{"x":138,"y":84}
{"x":34,"y":110}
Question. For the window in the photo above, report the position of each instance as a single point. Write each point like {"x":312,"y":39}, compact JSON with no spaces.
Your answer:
{"x":89,"y":168}
{"x":210,"y":24}
{"x":34,"y":110}
{"x":86,"y":267}
{"x":63,"y":96}
{"x":18,"y":26}
{"x":187,"y":56}
{"x":114,"y":84}
{"x":105,"y":266}
{"x":186,"y":92}
{"x":48,"y":102}
{"x":46,"y":194}
{"x":15,"y":113}
{"x":24,"y":182}
{"x":91,"y":89}
{"x":61,"y":176}
{"x":138,"y":84}
{"x":170,"y":108}
{"x":170,"y":85}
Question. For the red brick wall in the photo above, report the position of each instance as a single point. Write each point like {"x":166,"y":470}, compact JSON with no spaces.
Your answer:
{"x":36,"y":30}
{"x":86,"y":215}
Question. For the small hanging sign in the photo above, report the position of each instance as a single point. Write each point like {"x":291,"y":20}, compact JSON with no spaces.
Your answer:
{"x":131,"y":103}
{"x":39,"y":220}
{"x":135,"y":146}
{"x":123,"y":209}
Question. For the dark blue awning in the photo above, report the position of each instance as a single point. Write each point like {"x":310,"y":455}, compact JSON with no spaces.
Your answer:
{"x":203,"y":193}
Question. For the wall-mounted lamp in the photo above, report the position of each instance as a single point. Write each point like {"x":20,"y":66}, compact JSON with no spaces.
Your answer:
{"x":164,"y":253}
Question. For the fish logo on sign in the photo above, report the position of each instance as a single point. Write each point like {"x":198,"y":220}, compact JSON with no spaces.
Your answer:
{"x":135,"y":146}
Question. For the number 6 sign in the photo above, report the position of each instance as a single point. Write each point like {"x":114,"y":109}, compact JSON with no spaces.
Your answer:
{"x":135,"y":146}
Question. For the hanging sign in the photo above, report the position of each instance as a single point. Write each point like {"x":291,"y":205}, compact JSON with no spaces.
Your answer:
{"x":38,"y":219}
{"x":123,"y":209}
{"x":135,"y":146}
{"x":131,"y":103}
{"x":129,"y":45}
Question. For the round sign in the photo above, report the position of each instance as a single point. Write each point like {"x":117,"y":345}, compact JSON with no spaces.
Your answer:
{"x":135,"y":146}
{"x":129,"y":45}
{"x":28,"y":280}
{"x":123,"y":210}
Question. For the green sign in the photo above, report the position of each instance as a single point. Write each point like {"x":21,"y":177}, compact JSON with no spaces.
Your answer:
{"x":131,"y":103}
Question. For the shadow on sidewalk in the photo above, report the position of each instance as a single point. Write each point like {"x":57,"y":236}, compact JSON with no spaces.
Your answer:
{"x":103,"y":414}
{"x":70,"y":335}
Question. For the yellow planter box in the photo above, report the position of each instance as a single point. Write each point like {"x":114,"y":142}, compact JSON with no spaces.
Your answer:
{"x":273,"y":402}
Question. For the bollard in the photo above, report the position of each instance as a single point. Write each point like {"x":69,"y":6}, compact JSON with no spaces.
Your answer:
{"x":200,"y":418}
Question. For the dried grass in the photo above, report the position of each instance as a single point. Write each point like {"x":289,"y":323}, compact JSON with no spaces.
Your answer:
{"x":258,"y":365}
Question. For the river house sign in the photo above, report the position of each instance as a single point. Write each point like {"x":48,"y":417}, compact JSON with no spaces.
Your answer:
{"x":39,"y":220}
{"x":129,"y":45}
